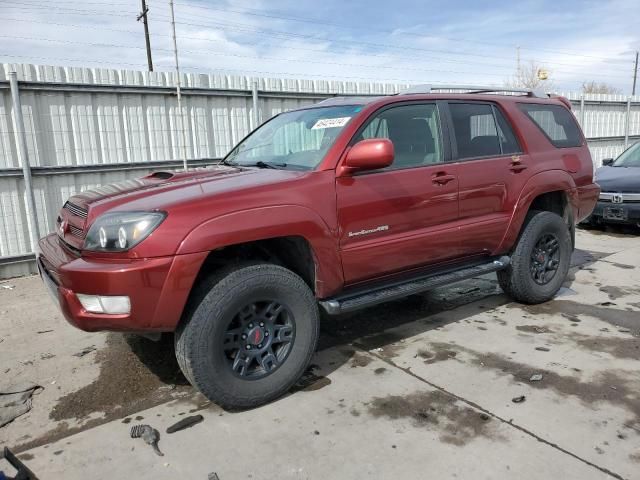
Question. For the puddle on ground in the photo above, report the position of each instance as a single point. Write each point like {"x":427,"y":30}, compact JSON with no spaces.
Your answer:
{"x":360,"y":360}
{"x":533,"y":329}
{"x":610,"y":386}
{"x":135,"y":374}
{"x":387,"y":344}
{"x":622,"y":265}
{"x":457,"y":424}
{"x":613,"y":316}
{"x":618,"y":347}
{"x":310,"y":382}
{"x":618,"y":292}
{"x":437,"y":356}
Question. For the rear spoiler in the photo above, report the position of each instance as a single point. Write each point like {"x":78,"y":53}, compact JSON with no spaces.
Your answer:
{"x":564,"y":100}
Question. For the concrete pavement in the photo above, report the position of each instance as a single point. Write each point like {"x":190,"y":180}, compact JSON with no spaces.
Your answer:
{"x":421,"y":388}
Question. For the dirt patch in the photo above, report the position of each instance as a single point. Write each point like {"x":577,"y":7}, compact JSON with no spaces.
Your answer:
{"x":533,"y":329}
{"x":617,"y":292}
{"x":360,"y":360}
{"x":625,"y":347}
{"x":388,"y":342}
{"x":616,"y":387}
{"x":613,"y":316}
{"x":623,"y":265}
{"x":635,"y":457}
{"x":26,"y":456}
{"x":379,"y":370}
{"x":435,"y":357}
{"x":310,"y":382}
{"x":457,"y":424}
{"x":571,"y":317}
{"x":135,"y":374}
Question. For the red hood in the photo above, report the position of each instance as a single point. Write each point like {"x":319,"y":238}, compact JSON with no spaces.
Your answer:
{"x":164,"y":190}
{"x":193,"y":196}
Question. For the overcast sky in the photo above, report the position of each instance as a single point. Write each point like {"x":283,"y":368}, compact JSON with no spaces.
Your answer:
{"x":392,"y":40}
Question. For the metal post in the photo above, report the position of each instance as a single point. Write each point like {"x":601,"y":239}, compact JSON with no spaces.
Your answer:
{"x":143,"y":15}
{"x":626,"y":123}
{"x":24,"y":155}
{"x":175,"y":53}
{"x":582,"y":110}
{"x":254,"y":95}
{"x":635,"y":75}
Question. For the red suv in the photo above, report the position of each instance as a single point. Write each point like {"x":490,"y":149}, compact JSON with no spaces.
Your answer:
{"x":341,"y":205}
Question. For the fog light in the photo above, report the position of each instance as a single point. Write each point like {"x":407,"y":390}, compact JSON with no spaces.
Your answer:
{"x":104,"y":304}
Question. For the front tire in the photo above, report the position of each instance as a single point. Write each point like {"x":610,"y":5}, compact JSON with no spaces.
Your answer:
{"x":540,"y":262}
{"x":248,"y":335}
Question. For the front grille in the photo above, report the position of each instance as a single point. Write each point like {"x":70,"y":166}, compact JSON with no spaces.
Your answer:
{"x":76,"y":232}
{"x":75,"y":210}
{"x":614,"y":197}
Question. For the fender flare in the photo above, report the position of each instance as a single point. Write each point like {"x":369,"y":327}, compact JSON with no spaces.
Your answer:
{"x":263,"y":223}
{"x":540,"y":183}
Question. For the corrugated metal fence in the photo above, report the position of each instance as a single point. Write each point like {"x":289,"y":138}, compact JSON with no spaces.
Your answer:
{"x":87,"y":127}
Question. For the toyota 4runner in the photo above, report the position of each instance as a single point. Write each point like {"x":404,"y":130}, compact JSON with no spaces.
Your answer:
{"x":337,"y":206}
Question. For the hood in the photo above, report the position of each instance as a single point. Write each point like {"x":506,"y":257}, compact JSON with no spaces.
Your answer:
{"x":190,"y":192}
{"x":618,"y":179}
{"x":164,"y":190}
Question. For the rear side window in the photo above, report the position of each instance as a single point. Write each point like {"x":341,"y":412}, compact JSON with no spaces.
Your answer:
{"x":556,"y":122}
{"x":481,"y":131}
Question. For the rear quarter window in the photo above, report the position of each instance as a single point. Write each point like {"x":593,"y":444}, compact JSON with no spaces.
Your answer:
{"x":556,"y":122}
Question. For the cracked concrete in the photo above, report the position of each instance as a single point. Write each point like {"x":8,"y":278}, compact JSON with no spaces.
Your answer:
{"x":412,"y":389}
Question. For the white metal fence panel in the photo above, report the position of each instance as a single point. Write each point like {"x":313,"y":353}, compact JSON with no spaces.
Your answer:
{"x":81,"y":121}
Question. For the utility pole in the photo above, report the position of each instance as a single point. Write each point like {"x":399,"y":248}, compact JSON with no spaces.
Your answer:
{"x":635,"y":75}
{"x":518,"y":68}
{"x":143,"y":16}
{"x":178,"y":93}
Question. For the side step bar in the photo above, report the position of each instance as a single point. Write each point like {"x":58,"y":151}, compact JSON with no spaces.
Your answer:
{"x":349,"y":302}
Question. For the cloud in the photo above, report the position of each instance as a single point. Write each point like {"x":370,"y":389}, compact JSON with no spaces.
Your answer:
{"x":413,"y":42}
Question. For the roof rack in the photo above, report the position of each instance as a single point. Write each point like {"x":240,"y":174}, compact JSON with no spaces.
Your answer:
{"x":417,"y":89}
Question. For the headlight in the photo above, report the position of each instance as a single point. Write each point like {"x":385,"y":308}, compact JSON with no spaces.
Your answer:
{"x":120,"y":231}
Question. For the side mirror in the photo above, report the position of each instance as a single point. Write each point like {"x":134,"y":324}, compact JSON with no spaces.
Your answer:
{"x":607,"y":162}
{"x":370,"y":154}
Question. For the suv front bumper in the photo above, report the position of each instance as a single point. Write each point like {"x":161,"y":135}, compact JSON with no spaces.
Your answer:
{"x":157,"y":288}
{"x":608,"y":212}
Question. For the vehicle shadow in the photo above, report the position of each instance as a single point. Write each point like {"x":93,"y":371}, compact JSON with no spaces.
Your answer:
{"x":611,"y":229}
{"x":159,"y":357}
{"x":367,"y":329}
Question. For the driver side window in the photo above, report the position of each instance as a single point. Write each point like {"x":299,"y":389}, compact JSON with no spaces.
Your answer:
{"x":414,"y":131}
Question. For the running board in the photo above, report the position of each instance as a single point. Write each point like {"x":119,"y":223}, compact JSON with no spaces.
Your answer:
{"x":350,"y":302}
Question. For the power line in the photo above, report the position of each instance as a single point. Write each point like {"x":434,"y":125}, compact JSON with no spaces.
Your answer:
{"x":290,"y":47}
{"x":255,"y":57}
{"x":292,"y":34}
{"x":262,"y":13}
{"x":245,"y":27}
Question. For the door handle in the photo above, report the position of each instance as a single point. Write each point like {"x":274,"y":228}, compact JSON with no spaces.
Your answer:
{"x":517,"y":167}
{"x":442,"y":178}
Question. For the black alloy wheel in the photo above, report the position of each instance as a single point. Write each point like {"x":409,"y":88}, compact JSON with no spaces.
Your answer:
{"x":258,"y":339}
{"x":545,"y":259}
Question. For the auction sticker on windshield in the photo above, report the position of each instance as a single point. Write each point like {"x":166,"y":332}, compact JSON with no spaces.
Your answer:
{"x":331,"y":123}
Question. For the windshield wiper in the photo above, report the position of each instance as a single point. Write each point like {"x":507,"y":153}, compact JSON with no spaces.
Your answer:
{"x":261,"y":164}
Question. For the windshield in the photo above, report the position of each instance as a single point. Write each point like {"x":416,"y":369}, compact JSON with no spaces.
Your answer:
{"x":629,"y":158}
{"x":297,"y":140}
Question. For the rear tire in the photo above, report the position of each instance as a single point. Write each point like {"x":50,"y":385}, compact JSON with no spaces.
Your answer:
{"x":248,"y":335}
{"x":540,"y":261}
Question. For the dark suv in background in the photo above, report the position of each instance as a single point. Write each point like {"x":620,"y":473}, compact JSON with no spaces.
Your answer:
{"x":619,"y":179}
{"x":341,"y":205}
